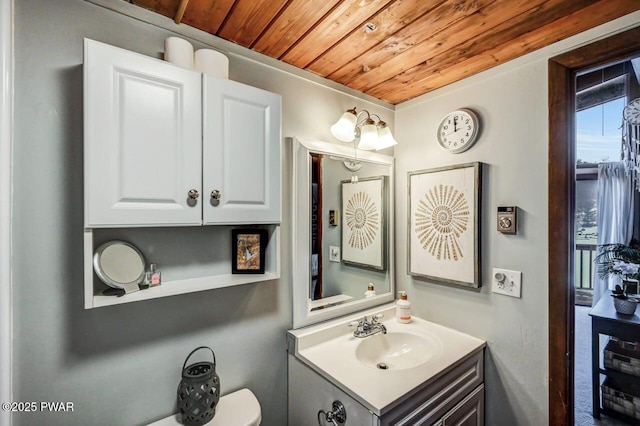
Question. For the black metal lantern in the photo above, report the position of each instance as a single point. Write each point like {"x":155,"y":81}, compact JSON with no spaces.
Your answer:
{"x":198,"y":391}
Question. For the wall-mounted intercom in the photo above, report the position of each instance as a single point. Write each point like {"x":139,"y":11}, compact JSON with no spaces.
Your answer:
{"x":508,"y":219}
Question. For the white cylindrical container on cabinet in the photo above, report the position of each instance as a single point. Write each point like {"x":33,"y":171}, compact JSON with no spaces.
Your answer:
{"x":212,"y":62}
{"x":178,"y":51}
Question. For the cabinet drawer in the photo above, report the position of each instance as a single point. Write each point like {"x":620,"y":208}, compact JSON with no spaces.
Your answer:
{"x":436,"y":398}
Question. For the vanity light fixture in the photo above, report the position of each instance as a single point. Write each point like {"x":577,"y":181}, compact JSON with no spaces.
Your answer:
{"x":372,"y":134}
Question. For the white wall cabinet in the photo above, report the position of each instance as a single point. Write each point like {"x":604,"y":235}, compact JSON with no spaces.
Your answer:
{"x":241,"y":167}
{"x":166,"y":146}
{"x":170,"y":147}
{"x":142,"y":141}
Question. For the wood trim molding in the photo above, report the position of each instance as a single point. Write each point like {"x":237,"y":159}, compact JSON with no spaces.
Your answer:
{"x":562,"y":70}
{"x":6,"y":105}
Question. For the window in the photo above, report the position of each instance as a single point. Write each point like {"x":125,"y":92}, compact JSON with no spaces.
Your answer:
{"x":601,"y":96}
{"x":598,"y":132}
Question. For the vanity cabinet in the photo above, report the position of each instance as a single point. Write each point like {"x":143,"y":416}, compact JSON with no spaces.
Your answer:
{"x":167,"y":146}
{"x":455,"y":397}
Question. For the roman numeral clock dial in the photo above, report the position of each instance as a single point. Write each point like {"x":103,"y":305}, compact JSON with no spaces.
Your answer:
{"x":631,"y":112}
{"x":458,"y":130}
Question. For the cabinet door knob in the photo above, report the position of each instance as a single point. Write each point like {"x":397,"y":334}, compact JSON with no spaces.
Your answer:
{"x":194,"y":194}
{"x":215,"y":195}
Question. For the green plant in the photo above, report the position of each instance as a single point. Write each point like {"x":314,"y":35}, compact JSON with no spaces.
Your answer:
{"x":619,"y":259}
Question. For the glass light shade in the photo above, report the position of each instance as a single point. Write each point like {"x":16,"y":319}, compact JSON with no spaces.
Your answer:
{"x":368,"y":136}
{"x":385,"y":138}
{"x":344,"y":127}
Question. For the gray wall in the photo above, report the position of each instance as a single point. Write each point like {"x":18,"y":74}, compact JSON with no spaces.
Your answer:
{"x":121,"y":365}
{"x":512,"y":102}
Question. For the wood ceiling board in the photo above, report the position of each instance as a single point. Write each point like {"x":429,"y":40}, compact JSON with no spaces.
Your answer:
{"x":180,"y":12}
{"x":411,"y":52}
{"x":501,"y":35}
{"x":349,"y":16}
{"x":249,"y":19}
{"x":417,"y":32}
{"x":399,"y":14}
{"x":166,"y":8}
{"x":207,"y":15}
{"x":298,"y":17}
{"x":397,"y":91}
{"x":446,"y":43}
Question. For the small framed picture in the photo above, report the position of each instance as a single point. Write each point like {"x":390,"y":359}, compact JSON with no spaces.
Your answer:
{"x":248,"y":250}
{"x":333,"y":218}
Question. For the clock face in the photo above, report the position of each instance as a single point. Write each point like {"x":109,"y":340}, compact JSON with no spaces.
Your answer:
{"x":458,"y":130}
{"x":631,"y":112}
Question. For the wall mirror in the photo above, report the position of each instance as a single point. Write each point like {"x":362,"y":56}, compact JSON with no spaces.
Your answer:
{"x":118,"y":264}
{"x":343,"y":230}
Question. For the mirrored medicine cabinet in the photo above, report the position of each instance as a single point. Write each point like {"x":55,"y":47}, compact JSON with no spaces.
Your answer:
{"x":343,"y":230}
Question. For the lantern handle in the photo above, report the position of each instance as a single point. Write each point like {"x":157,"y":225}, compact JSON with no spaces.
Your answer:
{"x":197,"y":349}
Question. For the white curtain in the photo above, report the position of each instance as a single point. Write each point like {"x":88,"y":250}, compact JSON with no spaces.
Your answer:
{"x":615,"y":214}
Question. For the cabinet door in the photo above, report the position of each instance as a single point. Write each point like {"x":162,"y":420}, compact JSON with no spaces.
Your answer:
{"x":241,"y":153}
{"x":309,"y":393}
{"x":143,"y":139}
{"x":469,"y":412}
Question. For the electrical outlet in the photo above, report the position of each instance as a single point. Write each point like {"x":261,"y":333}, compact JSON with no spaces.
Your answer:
{"x":334,"y":254}
{"x":504,"y":281}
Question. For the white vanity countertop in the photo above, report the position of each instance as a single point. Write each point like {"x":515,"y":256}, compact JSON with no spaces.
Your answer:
{"x":330,"y":349}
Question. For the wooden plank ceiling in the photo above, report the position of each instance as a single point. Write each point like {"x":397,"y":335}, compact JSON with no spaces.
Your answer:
{"x":417,"y":45}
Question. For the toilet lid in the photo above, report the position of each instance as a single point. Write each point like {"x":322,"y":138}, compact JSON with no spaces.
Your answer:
{"x":240,"y":408}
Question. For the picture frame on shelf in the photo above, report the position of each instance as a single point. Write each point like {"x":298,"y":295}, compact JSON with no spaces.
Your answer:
{"x":363,"y":229}
{"x":444,"y":224}
{"x":248,"y":248}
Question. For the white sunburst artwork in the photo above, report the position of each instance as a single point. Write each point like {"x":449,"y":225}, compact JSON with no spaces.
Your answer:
{"x":443,"y":224}
{"x":442,"y":216}
{"x":362,"y":219}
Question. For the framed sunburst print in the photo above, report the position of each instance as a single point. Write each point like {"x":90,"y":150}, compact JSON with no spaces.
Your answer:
{"x":444,"y":224}
{"x":363,"y":222}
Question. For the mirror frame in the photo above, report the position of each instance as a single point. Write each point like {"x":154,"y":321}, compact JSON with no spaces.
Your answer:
{"x":301,"y":238}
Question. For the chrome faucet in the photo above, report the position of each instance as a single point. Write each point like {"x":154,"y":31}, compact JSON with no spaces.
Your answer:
{"x":365,"y":327}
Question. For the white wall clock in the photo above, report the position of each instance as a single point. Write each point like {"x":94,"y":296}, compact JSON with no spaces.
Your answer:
{"x":458,"y":130}
{"x":631,"y":112}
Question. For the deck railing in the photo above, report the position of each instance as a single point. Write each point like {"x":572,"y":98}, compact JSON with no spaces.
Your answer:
{"x":584,"y":266}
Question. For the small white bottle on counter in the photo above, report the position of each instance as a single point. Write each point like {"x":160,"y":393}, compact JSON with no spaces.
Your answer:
{"x":403,"y":309}
{"x":371,"y":291}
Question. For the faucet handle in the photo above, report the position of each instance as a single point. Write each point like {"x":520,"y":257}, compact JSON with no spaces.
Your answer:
{"x":377,"y":317}
{"x":354,"y":324}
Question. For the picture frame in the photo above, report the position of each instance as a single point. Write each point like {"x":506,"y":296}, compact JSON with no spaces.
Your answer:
{"x":363,"y":217}
{"x":444,"y":221}
{"x":248,"y":249}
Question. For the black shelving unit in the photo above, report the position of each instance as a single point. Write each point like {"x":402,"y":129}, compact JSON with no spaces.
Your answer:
{"x":605,"y":320}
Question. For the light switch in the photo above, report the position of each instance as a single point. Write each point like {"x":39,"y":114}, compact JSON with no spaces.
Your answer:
{"x":334,"y":254}
{"x":507,"y":282}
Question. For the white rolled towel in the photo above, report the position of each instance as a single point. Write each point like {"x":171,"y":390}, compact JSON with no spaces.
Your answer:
{"x":178,"y":51}
{"x":212,"y":62}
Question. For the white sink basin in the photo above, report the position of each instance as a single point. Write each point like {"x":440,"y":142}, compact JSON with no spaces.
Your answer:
{"x":413,"y":353}
{"x":397,"y":350}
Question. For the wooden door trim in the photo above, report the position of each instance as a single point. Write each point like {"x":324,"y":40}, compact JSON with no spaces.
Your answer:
{"x":562,"y":70}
